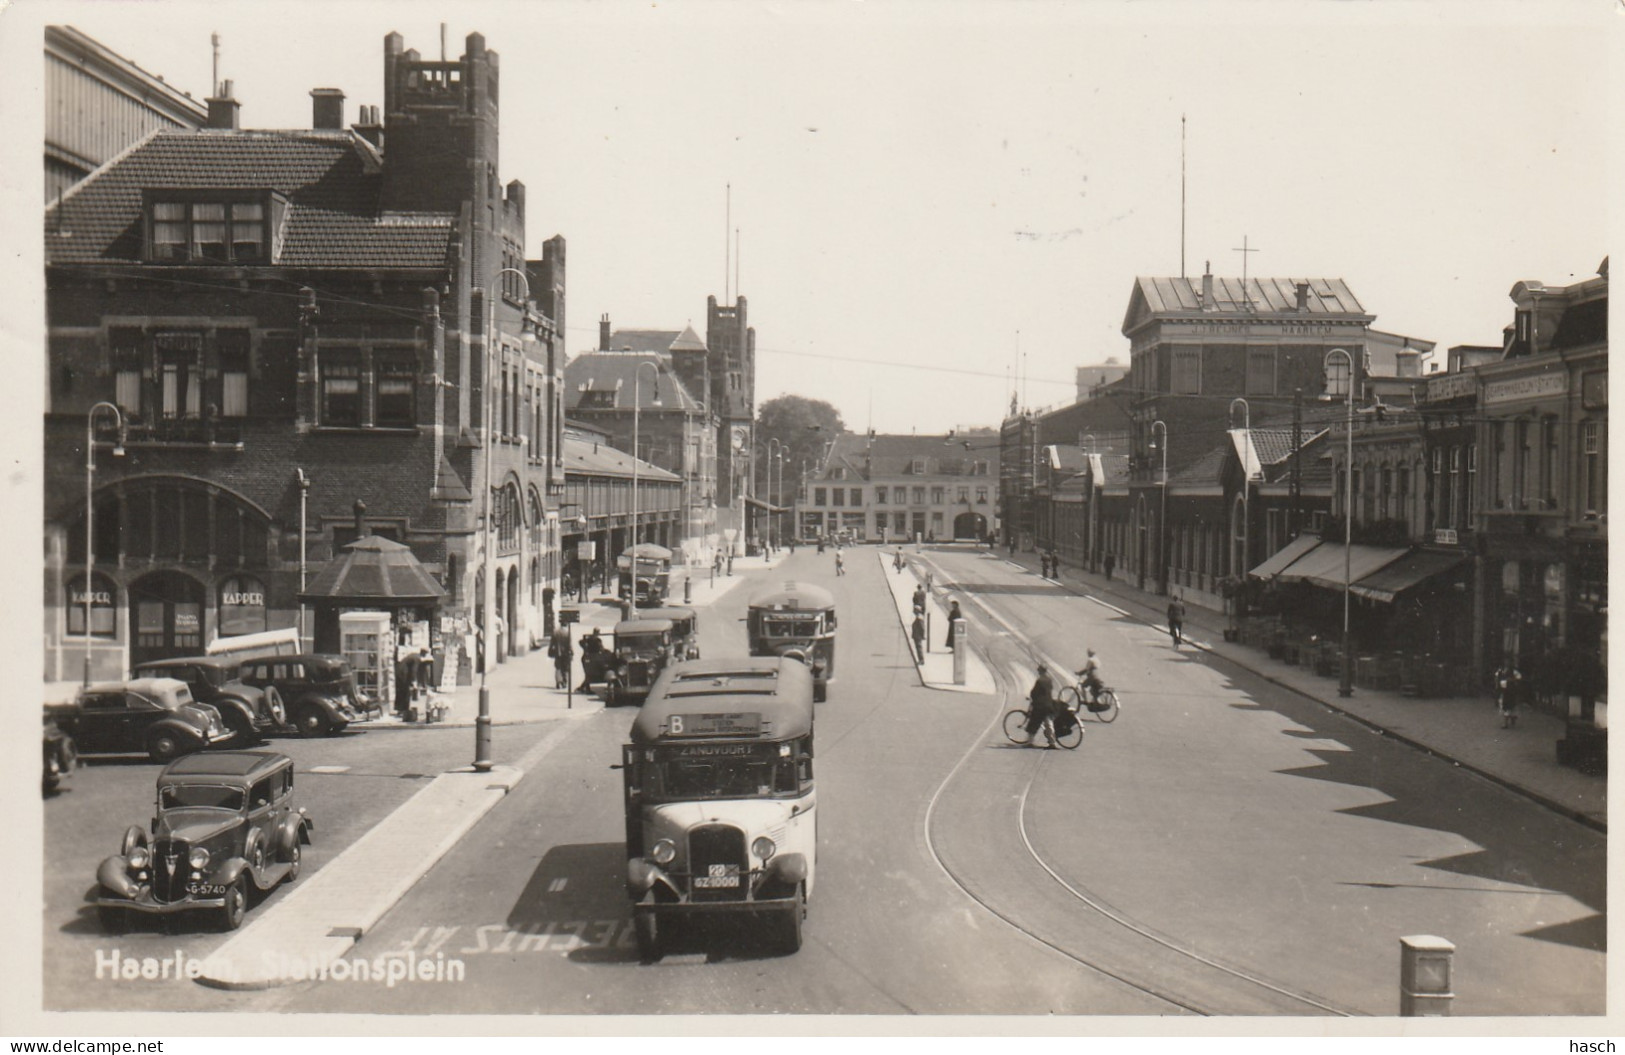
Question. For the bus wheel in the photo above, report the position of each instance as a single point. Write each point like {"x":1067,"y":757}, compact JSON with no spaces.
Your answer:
{"x":792,"y":920}
{"x":648,"y":931}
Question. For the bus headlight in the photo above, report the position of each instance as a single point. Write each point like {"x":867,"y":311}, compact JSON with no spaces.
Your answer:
{"x":138,"y":858}
{"x":664,"y":852}
{"x":198,"y":857}
{"x":763,"y":847}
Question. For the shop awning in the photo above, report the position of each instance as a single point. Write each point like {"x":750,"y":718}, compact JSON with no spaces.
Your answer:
{"x":1285,"y":556}
{"x":768,"y":506}
{"x":1324,"y":567}
{"x":1406,"y":573}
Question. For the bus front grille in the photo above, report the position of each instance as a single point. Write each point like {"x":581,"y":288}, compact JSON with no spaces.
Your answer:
{"x":717,"y":863}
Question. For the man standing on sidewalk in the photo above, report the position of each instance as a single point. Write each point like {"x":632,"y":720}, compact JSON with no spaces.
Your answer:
{"x":953,"y":617}
{"x":1111,"y":562}
{"x":919,"y":635}
{"x":1176,"y":620}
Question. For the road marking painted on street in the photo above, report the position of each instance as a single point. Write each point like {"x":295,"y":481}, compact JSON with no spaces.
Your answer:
{"x":328,"y":769}
{"x":1103,"y":604}
{"x":557,"y":885}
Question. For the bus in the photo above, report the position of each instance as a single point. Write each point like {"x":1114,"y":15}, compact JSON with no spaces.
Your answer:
{"x":795,"y":619}
{"x":721,"y":815}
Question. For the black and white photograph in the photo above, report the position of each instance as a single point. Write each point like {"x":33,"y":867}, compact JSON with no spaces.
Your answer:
{"x":1082,"y":518}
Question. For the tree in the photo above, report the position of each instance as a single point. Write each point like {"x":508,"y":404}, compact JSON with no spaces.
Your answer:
{"x":804,"y":426}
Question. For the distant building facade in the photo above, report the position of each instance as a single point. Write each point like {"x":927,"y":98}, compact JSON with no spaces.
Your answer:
{"x":892,"y":488}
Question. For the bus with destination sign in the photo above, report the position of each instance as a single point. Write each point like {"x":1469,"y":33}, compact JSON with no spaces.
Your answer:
{"x":721,"y":814}
{"x":795,"y":619}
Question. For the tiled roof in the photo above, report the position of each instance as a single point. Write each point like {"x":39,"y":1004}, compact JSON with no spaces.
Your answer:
{"x":332,"y":181}
{"x":1583,"y":324}
{"x":617,"y":372}
{"x":1208,"y":469}
{"x":641,"y":341}
{"x":894,"y":455}
{"x":594,"y":459}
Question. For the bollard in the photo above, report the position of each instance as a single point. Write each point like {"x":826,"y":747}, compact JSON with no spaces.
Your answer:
{"x":959,"y":651}
{"x":1425,"y":969}
{"x":688,"y":590}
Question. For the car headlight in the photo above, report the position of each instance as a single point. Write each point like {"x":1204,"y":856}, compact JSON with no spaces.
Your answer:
{"x":664,"y":852}
{"x":763,"y":847}
{"x":138,"y":858}
{"x":198,"y":857}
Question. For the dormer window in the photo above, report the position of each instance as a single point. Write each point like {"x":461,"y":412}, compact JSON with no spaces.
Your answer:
{"x":212,"y":230}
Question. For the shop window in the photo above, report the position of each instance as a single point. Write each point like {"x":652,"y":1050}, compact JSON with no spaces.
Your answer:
{"x":103,"y":612}
{"x":242,"y":606}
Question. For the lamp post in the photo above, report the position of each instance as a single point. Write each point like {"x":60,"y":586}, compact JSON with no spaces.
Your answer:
{"x":637,"y":405}
{"x":482,"y":721}
{"x":1345,"y":681}
{"x":304,"y":498}
{"x":90,"y":509}
{"x":775,"y":451}
{"x":1162,"y":517}
{"x":1240,"y":569}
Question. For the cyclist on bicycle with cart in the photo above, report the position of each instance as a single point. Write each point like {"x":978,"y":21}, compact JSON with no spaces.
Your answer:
{"x":1045,"y":712}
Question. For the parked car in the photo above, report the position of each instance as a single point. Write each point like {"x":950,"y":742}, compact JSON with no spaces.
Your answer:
{"x":155,"y":715}
{"x":226,"y":822}
{"x":249,"y":711}
{"x":60,"y":756}
{"x":318,"y":691}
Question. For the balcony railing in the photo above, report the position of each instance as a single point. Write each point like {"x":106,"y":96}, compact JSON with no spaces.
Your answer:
{"x":190,"y":431}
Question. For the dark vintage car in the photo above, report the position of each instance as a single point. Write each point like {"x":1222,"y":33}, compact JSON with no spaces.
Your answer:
{"x":318,"y":690}
{"x":642,"y":650}
{"x":249,"y":711}
{"x":60,"y":756}
{"x":155,"y":715}
{"x":225,"y":824}
{"x":685,"y":629}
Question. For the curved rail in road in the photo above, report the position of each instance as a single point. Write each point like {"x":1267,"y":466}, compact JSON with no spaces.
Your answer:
{"x":1158,"y":966}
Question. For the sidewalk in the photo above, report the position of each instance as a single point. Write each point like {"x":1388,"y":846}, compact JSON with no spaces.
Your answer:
{"x":937,"y":671}
{"x":1463,"y":730}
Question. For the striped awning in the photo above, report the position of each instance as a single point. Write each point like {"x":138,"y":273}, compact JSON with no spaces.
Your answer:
{"x":1285,"y":556}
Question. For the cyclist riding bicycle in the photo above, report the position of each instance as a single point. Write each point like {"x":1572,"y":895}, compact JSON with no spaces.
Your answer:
{"x":1090,"y":676}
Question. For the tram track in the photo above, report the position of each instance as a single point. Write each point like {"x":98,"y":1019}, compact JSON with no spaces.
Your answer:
{"x":1170,"y":972}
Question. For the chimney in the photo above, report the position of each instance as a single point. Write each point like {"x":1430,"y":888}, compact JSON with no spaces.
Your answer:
{"x":361,"y":528}
{"x":516,"y":196}
{"x":1303,"y":296}
{"x":1407,"y":362}
{"x":603,"y":332}
{"x":223,"y":109}
{"x":369,"y":127}
{"x":1207,"y":286}
{"x":326,"y":109}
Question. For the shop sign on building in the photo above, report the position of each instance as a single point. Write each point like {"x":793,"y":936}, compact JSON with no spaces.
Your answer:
{"x":1550,"y":383}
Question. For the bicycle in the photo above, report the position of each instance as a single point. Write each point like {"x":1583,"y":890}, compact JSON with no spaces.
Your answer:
{"x":1015,"y":727}
{"x":1104,"y":709}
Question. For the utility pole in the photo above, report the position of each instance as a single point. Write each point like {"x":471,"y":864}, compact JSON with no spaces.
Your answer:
{"x":1296,"y":519}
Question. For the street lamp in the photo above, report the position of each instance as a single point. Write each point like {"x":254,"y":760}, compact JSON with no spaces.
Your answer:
{"x":482,"y":721}
{"x":1162,"y":517}
{"x":90,"y":509}
{"x":304,"y":497}
{"x":1345,"y":682}
{"x":775,"y":451}
{"x":1240,"y":569}
{"x":637,"y":406}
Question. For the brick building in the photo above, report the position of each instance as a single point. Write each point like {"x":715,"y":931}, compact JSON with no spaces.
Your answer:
{"x":668,"y":373}
{"x":293,"y":328}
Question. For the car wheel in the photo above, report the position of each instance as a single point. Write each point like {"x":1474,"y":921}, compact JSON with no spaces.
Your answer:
{"x":112,"y":919}
{"x":243,"y":733}
{"x":648,"y":931}
{"x":295,"y":860}
{"x":312,"y":722}
{"x":236,"y":906}
{"x":164,"y":746}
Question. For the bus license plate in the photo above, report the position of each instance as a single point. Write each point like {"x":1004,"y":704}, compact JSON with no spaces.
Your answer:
{"x":716,"y":882}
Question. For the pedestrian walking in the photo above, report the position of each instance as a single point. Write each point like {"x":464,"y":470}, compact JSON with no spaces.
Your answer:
{"x":897,"y":561}
{"x":953,"y":617}
{"x":919,"y":635}
{"x":1176,"y":620}
{"x":730,"y":563}
{"x":1055,"y":565}
{"x":1509,"y":691}
{"x":919,"y":600}
{"x":1111,"y":562}
{"x":840,"y":563}
{"x":562,"y":651}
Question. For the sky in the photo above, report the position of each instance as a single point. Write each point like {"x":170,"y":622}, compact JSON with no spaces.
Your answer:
{"x":939,"y":207}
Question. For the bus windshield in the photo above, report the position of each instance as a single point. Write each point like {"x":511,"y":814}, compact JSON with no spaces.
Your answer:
{"x":678,"y":775}
{"x":790,"y":626}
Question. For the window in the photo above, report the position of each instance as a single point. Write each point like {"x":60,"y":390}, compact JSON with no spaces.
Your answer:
{"x":1471,"y":485}
{"x":397,"y":388}
{"x":838,"y":473}
{"x":855,"y":496}
{"x":917,"y":467}
{"x":1593,"y":450}
{"x":1260,"y":371}
{"x":1525,"y":484}
{"x":102,"y":611}
{"x":880,"y":495}
{"x":125,"y":346}
{"x":964,"y":494}
{"x":919,"y":496}
{"x":978,"y":468}
{"x":936,"y":523}
{"x":1549,"y":473}
{"x":180,"y":366}
{"x":341,"y":390}
{"x":818,"y":497}
{"x":981,"y":496}
{"x":242,"y":606}
{"x":234,"y":373}
{"x":899,"y":522}
{"x":837,"y":496}
{"x":937,"y":496}
{"x":208,"y":232}
{"x":1501,"y":468}
{"x":1187,"y":371}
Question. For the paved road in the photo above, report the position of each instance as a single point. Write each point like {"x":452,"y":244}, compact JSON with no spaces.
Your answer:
{"x":348,"y":783}
{"x":1226,"y":847}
